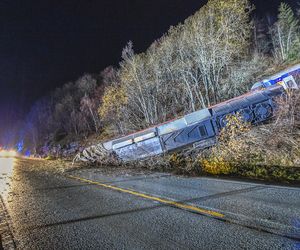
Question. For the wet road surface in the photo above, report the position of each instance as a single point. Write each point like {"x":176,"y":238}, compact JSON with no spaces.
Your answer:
{"x":90,"y":209}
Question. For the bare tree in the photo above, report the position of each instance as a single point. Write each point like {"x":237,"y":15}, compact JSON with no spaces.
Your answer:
{"x":89,"y":108}
{"x":219,"y":34}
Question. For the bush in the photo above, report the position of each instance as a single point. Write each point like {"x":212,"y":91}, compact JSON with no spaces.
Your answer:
{"x":217,"y":166}
{"x":225,"y":157}
{"x":185,"y":163}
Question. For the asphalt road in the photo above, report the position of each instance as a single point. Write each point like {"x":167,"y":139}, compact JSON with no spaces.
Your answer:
{"x":92,"y":209}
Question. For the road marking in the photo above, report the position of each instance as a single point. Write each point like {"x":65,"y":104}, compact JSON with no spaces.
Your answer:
{"x":153,"y":198}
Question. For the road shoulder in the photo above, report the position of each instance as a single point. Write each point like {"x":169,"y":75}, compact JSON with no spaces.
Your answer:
{"x":6,"y":240}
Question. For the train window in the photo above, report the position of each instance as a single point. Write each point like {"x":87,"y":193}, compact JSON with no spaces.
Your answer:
{"x":203,"y":131}
{"x":290,"y":84}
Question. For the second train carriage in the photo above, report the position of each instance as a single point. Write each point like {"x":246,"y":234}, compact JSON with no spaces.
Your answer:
{"x":199,"y":129}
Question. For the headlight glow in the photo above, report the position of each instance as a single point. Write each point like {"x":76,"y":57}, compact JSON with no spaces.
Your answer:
{"x":8,"y":153}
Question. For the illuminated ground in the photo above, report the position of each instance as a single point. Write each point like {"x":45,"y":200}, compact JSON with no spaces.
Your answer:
{"x":6,"y":169}
{"x":127,"y":210}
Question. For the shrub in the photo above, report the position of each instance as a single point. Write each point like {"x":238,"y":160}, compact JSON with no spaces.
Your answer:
{"x":228,"y":153}
{"x":185,"y":163}
{"x":216,"y":166}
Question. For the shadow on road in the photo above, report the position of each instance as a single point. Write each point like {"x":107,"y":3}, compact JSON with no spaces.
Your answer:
{"x":142,"y":209}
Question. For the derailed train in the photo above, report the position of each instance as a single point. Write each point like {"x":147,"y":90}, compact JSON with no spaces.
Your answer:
{"x":200,"y":129}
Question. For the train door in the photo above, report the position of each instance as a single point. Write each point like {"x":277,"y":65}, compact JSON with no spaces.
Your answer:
{"x":290,"y":83}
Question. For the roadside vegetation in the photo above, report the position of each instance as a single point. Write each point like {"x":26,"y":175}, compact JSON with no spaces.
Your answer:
{"x":214,"y":55}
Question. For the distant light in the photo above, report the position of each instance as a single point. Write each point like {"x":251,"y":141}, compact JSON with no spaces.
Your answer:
{"x":27,"y":153}
{"x":20,"y":146}
{"x":8,"y":153}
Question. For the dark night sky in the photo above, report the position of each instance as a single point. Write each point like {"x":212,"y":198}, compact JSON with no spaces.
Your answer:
{"x":45,"y":43}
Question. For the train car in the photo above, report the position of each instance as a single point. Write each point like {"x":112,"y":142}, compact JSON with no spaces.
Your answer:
{"x":201,"y":128}
{"x":289,"y":79}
